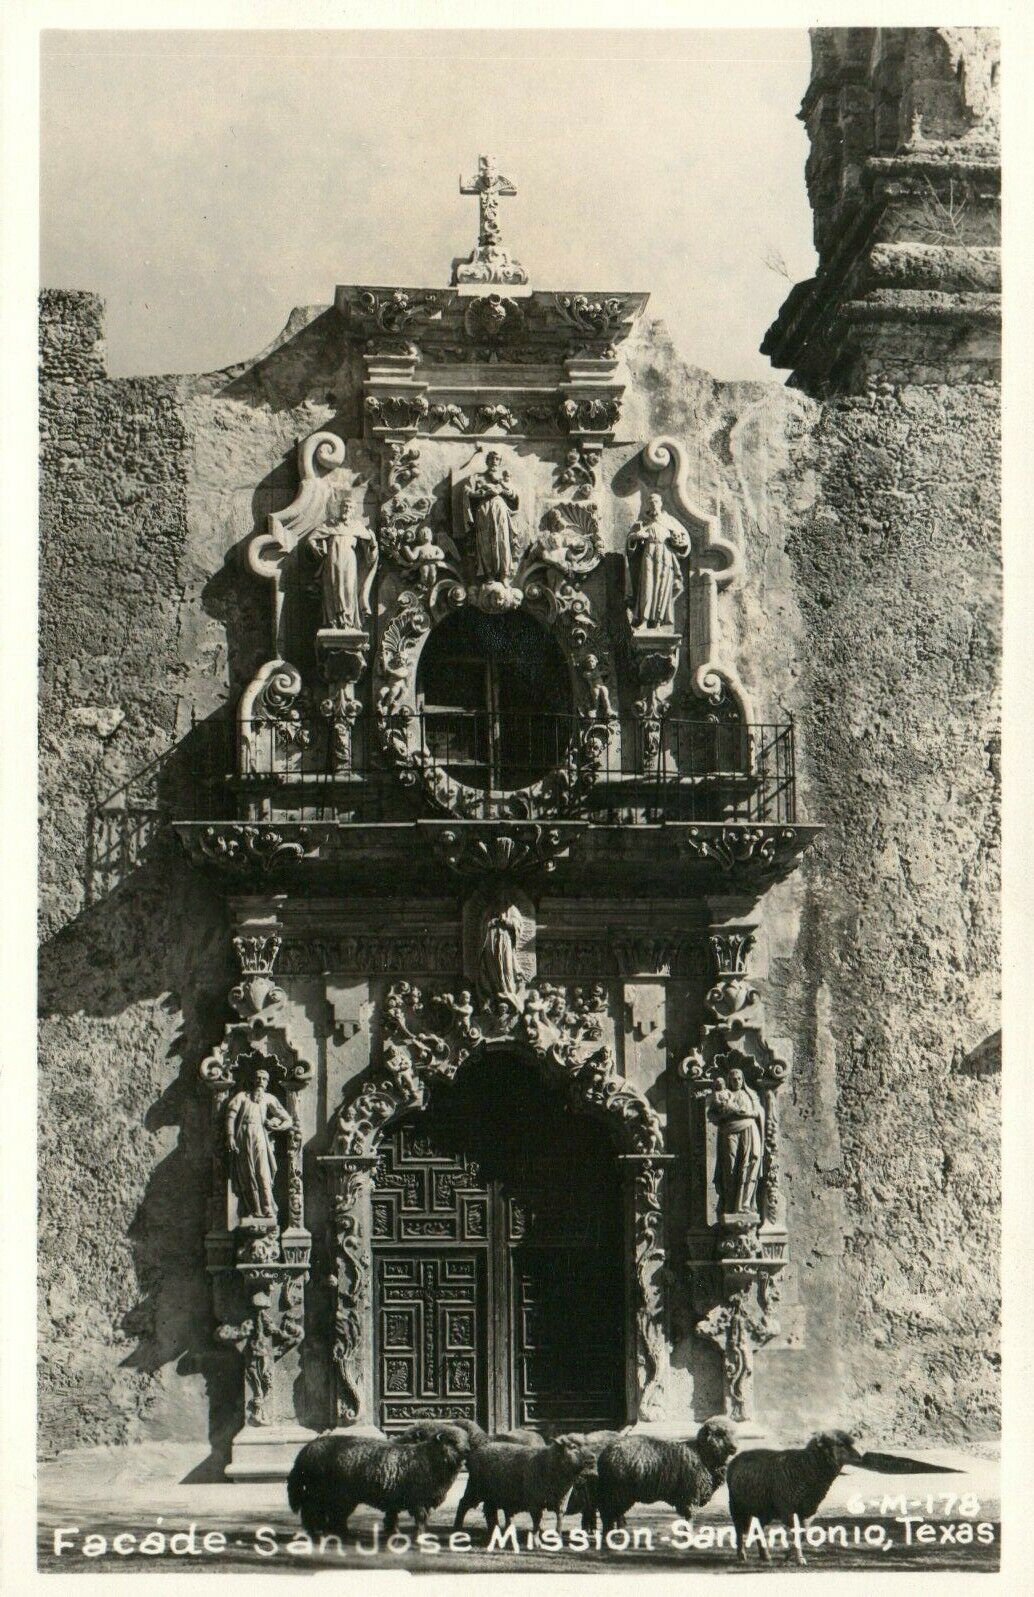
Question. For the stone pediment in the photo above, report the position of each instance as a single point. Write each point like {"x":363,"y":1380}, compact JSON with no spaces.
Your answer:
{"x":451,"y":327}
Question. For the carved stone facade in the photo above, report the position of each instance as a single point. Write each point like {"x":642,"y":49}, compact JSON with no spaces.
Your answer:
{"x":489,"y":495}
{"x":417,"y":887}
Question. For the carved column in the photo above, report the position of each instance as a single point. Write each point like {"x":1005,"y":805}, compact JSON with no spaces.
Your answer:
{"x":258,"y":1253}
{"x":737,"y":1239}
{"x":643,"y":1181}
{"x":351,"y":1178}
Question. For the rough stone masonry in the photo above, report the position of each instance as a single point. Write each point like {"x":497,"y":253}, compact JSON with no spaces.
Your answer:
{"x":866,"y":497}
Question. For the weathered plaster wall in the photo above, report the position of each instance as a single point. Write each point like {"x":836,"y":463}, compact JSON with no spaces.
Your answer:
{"x":127,"y":977}
{"x":870,"y":550}
{"x":897,"y":574}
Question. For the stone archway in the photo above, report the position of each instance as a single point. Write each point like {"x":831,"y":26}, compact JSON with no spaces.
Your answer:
{"x":428,"y":1037}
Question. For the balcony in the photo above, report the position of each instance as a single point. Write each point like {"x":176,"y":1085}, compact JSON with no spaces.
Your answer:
{"x":495,"y":767}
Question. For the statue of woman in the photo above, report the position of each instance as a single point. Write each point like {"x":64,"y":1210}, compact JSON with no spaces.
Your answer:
{"x":491,"y":505}
{"x":663,"y":543}
{"x":348,"y":550}
{"x":251,"y":1115}
{"x":736,"y":1111}
{"x":500,"y":973}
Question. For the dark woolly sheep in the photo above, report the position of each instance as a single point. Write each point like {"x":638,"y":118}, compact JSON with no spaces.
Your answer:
{"x":584,"y":1498}
{"x":332,"y":1475}
{"x":767,"y":1485}
{"x":523,"y":1436}
{"x":514,"y":1477}
{"x":650,"y":1469}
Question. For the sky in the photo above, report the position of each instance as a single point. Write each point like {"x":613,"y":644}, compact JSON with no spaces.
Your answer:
{"x":206,"y":183}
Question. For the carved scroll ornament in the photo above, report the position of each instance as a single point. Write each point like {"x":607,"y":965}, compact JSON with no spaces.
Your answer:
{"x":713,"y":564}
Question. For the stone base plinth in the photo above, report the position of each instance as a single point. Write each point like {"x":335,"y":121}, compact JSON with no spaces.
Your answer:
{"x":266,"y":1452}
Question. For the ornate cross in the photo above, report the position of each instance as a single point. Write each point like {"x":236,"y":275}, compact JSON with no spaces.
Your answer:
{"x":489,"y":185}
{"x":490,"y":262}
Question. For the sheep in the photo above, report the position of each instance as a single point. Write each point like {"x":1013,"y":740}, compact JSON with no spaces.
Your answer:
{"x":332,"y":1475}
{"x":523,"y":1436}
{"x":649,"y":1469}
{"x":767,"y":1485}
{"x":512,"y":1476}
{"x":584,"y":1498}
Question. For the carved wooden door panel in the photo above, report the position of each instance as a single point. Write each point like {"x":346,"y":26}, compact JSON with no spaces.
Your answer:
{"x":430,"y":1233}
{"x":499,"y":1300}
{"x":564,"y":1246}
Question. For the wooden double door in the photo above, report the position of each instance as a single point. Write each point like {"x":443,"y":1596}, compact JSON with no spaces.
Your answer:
{"x":498,"y":1262}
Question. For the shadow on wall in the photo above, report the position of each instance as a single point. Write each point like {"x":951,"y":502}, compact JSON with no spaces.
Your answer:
{"x":305,"y":363}
{"x":109,"y":982}
{"x":132,"y":991}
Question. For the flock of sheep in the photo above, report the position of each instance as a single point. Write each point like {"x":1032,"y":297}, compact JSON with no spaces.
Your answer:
{"x":602,"y":1473}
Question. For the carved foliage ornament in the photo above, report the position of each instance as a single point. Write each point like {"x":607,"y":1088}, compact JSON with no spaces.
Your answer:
{"x":413,"y":413}
{"x":430,"y":1035}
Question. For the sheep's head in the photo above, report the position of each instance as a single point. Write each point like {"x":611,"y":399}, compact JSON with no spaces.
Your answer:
{"x":450,"y":1439}
{"x":835,"y":1449}
{"x":716,"y":1443}
{"x":571,"y":1449}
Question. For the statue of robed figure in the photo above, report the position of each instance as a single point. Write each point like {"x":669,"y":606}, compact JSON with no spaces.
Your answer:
{"x":500,"y":972}
{"x":491,"y":503}
{"x":658,"y":544}
{"x":735,"y":1109}
{"x":251,"y":1116}
{"x":349,"y":555}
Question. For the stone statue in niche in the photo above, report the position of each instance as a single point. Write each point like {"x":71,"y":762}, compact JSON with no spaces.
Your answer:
{"x":491,"y":505}
{"x":657,"y":544}
{"x":735,"y":1109}
{"x":500,"y":973}
{"x":252,"y":1115}
{"x":348,"y":552}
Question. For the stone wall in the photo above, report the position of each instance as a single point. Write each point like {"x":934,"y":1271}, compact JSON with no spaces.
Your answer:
{"x":123,"y":985}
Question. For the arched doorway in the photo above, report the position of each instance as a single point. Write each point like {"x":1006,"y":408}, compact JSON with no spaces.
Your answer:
{"x":497,"y":1253}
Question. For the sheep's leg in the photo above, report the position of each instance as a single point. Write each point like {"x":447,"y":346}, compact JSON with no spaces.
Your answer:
{"x":468,"y":1500}
{"x":491,"y":1514}
{"x":391,"y":1519}
{"x":420,"y":1515}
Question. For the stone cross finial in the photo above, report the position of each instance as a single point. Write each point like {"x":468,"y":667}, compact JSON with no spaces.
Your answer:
{"x":490,"y":262}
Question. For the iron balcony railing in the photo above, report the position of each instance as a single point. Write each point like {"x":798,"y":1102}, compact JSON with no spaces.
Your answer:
{"x":489,"y":766}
